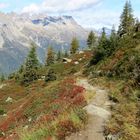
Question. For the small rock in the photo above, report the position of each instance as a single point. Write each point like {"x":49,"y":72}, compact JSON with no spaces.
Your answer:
{"x":26,"y":127}
{"x":3,"y":133}
{"x":111,"y":137}
{"x":3,"y":85}
{"x":9,"y":100}
{"x":4,"y":115}
{"x":30,"y":119}
{"x":81,"y":52}
{"x":76,"y":63}
{"x":11,"y":135}
{"x":43,"y":77}
{"x":67,"y":60}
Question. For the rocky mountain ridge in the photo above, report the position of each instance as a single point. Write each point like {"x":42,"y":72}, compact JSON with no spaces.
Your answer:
{"x":18,"y":31}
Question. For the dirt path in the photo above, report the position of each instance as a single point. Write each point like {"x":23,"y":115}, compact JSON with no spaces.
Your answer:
{"x":98,"y":111}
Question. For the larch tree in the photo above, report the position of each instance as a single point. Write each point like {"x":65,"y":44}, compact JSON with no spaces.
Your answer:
{"x":74,"y":46}
{"x":50,"y":58}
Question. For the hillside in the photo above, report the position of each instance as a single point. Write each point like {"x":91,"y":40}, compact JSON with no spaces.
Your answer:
{"x":53,"y":109}
{"x":69,"y":84}
{"x":18,"y":31}
{"x":120,"y":73}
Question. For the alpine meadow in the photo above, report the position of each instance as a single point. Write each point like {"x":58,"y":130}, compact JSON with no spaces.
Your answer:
{"x":69,"y":70}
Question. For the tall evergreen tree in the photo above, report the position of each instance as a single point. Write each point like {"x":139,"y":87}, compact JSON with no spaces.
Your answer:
{"x":127,"y":20}
{"x":91,"y":40}
{"x":74,"y":45}
{"x":59,"y":55}
{"x":50,"y":56}
{"x":113,"y":40}
{"x":31,"y":60}
{"x":66,"y":53}
{"x":50,"y":76}
{"x":2,"y":78}
{"x":102,"y":49}
{"x":103,"y":40}
{"x":21,"y":69}
{"x":31,"y":66}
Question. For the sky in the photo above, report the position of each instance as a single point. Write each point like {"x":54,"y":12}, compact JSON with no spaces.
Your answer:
{"x":88,"y":13}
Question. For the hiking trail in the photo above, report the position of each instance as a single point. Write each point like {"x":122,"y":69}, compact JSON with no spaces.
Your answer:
{"x":98,"y":112}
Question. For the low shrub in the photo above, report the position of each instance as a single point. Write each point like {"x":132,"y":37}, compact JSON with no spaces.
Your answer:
{"x":97,"y":56}
{"x":2,"y":112}
{"x":65,"y":128}
{"x":50,"y":76}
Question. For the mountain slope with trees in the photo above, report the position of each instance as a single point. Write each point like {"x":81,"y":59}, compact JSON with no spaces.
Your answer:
{"x":116,"y":65}
{"x":44,"y":101}
{"x":17,"y":31}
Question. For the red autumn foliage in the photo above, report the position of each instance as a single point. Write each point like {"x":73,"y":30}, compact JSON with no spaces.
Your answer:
{"x":49,"y":138}
{"x":65,"y":128}
{"x":15,"y":116}
{"x":69,"y":95}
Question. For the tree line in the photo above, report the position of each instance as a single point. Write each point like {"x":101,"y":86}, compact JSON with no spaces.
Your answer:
{"x":29,"y":71}
{"x":128,"y":35}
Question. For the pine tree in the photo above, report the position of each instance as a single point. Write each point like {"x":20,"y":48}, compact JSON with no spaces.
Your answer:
{"x":66,"y":54}
{"x":31,"y":67}
{"x":103,"y":37}
{"x":21,"y":69}
{"x":91,"y":40}
{"x":74,"y":46}
{"x":50,"y":76}
{"x":50,"y":56}
{"x":137,"y":30}
{"x":102,"y":49}
{"x":127,"y":20}
{"x":113,"y":41}
{"x":59,"y":55}
{"x":2,"y":78}
{"x":103,"y":41}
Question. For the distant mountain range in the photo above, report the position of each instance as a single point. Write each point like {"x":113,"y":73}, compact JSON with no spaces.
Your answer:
{"x":18,"y":31}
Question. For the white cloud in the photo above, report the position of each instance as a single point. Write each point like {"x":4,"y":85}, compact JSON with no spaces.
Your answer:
{"x":98,"y":19}
{"x":88,"y":13}
{"x":31,"y":8}
{"x":60,"y":6}
{"x":3,"y":5}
